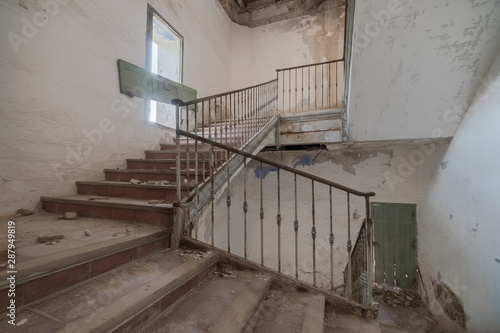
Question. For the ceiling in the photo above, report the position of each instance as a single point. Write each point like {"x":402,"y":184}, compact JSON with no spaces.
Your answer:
{"x":253,"y":13}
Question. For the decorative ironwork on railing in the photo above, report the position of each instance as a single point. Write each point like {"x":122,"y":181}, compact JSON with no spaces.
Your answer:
{"x":311,"y":87}
{"x":359,"y":275}
{"x":214,"y":133}
{"x":313,"y":222}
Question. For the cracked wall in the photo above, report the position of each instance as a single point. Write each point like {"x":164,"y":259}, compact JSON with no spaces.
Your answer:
{"x":365,"y":169}
{"x":417,"y":65}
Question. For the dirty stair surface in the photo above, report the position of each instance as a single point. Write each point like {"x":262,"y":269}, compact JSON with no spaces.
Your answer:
{"x":121,"y":299}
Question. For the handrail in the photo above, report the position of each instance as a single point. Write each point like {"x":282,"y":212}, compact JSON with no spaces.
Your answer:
{"x":310,"y":65}
{"x":278,"y":165}
{"x":204,"y":99}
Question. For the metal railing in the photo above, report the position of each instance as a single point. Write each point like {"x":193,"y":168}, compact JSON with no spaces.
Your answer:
{"x":213,"y":130}
{"x":232,"y":118}
{"x":311,"y":87}
{"x":358,"y":272}
{"x":243,"y":220}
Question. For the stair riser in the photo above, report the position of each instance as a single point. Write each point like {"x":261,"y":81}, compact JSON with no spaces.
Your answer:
{"x":161,"y":219}
{"x":133,"y":192}
{"x":169,"y":165}
{"x":144,"y":177}
{"x":166,"y":301}
{"x":34,"y":290}
{"x":173,"y":155}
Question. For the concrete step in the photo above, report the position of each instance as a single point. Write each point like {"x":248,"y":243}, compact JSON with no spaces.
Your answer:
{"x":166,"y":154}
{"x":123,"y":299}
{"x":128,"y":190}
{"x":43,"y":270}
{"x":125,"y":209}
{"x":166,"y":164}
{"x":289,"y":311}
{"x":221,"y":304}
{"x":144,"y":175}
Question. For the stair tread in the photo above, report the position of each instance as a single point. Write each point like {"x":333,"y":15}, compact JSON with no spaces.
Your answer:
{"x":290,"y":312}
{"x":92,"y":200}
{"x":107,"y":237}
{"x":104,"y":302}
{"x":220,"y":304}
{"x":127,"y":184}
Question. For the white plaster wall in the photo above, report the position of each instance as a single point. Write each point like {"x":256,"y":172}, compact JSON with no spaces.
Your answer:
{"x":62,"y":115}
{"x":459,"y":213}
{"x":258,"y":52}
{"x":393,"y":173}
{"x":417,"y":63}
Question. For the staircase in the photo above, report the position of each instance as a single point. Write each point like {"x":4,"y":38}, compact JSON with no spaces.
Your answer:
{"x":147,"y":283}
{"x":136,"y":284}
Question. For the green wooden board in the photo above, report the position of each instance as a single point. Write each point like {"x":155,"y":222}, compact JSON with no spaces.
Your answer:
{"x":136,"y":81}
{"x":395,"y":243}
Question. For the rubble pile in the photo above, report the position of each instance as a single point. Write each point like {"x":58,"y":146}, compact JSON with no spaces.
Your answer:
{"x":396,"y":297}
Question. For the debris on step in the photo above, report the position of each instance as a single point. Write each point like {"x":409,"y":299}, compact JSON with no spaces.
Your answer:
{"x":158,"y":182}
{"x":156,"y":202}
{"x":396,"y":297}
{"x":135,"y":181}
{"x":87,"y":233}
{"x":50,"y":238}
{"x":99,"y":198}
{"x":70,"y":216}
{"x":24,"y":212}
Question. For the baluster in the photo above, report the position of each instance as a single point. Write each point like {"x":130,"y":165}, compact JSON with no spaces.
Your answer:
{"x":296,"y":229}
{"x":369,"y":258}
{"x":228,"y":200}
{"x":283,"y":94}
{"x":216,"y":164}
{"x":315,"y":88}
{"x":331,"y":239}
{"x":336,"y":84}
{"x":226,"y":123}
{"x":302,"y":70}
{"x":278,"y":222}
{"x":289,"y":91}
{"x":187,"y":151}
{"x":322,"y":85}
{"x":196,"y":166}
{"x":296,"y":95}
{"x":349,"y":248}
{"x":313,"y":232}
{"x":261,"y":218}
{"x":203,"y":135}
{"x":308,"y":88}
{"x":330,"y":85}
{"x":212,"y":193}
{"x":178,"y":148}
{"x":245,"y":203}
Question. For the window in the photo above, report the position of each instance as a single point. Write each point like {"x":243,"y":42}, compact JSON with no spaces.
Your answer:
{"x":164,"y":51}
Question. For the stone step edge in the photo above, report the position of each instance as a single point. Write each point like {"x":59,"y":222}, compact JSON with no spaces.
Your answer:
{"x":239,"y":312}
{"x":85,"y":201}
{"x":124,"y":309}
{"x":315,"y":315}
{"x":150,"y":171}
{"x":285,"y":281}
{"x":113,"y":183}
{"x":41,"y":267}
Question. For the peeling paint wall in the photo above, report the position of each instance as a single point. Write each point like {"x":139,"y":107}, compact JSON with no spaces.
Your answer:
{"x":258,"y":52}
{"x":417,"y":65}
{"x":459,"y":227}
{"x":383,"y":170}
{"x":62,"y":115}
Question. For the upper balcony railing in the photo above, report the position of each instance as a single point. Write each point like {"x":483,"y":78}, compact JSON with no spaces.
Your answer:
{"x":311,"y":87}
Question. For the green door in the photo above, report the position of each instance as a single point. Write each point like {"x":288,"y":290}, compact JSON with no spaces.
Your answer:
{"x":395,"y":242}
